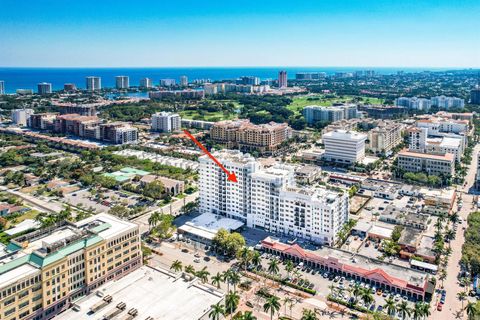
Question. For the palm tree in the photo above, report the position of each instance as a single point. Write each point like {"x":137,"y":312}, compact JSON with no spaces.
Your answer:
{"x":226,"y":276}
{"x":443,"y":276}
{"x":289,"y":267}
{"x":217,"y":280}
{"x":190,"y":269}
{"x":248,"y":315}
{"x":308,"y":314}
{"x":203,"y":274}
{"x":417,"y":311}
{"x":471,"y":310}
{"x":234,"y":279}
{"x":231,"y":302}
{"x":256,"y":259}
{"x":244,"y":255}
{"x":357,"y":290}
{"x":403,"y":310}
{"x":287,"y":300}
{"x":272,"y":305}
{"x":426,"y":309}
{"x":154,"y":219}
{"x":390,"y":306}
{"x":216,"y":312}
{"x":176,"y":266}
{"x":462,"y":296}
{"x":367,"y":296}
{"x":454,"y":217}
{"x":273,"y":267}
{"x":332,"y":288}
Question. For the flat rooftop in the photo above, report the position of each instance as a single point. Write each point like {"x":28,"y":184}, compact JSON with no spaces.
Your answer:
{"x":447,"y":157}
{"x":207,"y":225}
{"x":154,"y":293}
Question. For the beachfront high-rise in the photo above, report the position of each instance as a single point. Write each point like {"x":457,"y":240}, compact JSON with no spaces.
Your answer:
{"x":93,"y":83}
{"x":2,"y":87}
{"x":44,"y":88}
{"x":122,"y":82}
{"x":282,"y":79}
{"x":43,"y":271}
{"x":267,"y":198}
{"x":145,"y":83}
{"x":184,"y":81}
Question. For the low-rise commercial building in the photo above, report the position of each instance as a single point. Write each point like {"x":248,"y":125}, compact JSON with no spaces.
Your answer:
{"x":431,"y":164}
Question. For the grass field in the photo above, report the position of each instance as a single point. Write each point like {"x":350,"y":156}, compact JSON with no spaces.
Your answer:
{"x":207,"y":116}
{"x":299,"y":102}
{"x":32,"y":214}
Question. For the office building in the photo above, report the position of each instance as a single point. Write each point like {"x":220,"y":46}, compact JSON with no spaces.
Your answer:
{"x":166,"y":122}
{"x":184,"y":81}
{"x":122,"y":82}
{"x":69,"y":87}
{"x":44,"y":271}
{"x":384,"y":137}
{"x":315,"y":114}
{"x":167,"y":82}
{"x":2,"y":87}
{"x":474,"y":96}
{"x":268,"y":199}
{"x":44,"y":88}
{"x":425,"y":140}
{"x":431,"y":164}
{"x":347,"y":147}
{"x":246,"y":136}
{"x":93,"y":83}
{"x":282,"y":79}
{"x":146,"y":83}
{"x":21,"y":117}
{"x":444,"y":102}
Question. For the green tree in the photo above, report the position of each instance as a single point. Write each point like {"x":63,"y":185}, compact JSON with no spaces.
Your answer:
{"x":273,"y":267}
{"x":272,"y":305}
{"x":203,"y":275}
{"x":308,"y":314}
{"x":154,"y":190}
{"x":119,"y":211}
{"x":176,"y":266}
{"x":190,"y":269}
{"x":231,"y":302}
{"x":390,"y":306}
{"x":403,"y":310}
{"x":471,"y":310}
{"x":217,"y":280}
{"x":216,"y":312}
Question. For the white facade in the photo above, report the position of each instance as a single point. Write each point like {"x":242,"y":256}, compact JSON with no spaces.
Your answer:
{"x":93,"y":83}
{"x":122,"y":82}
{"x":436,"y":126}
{"x":447,"y":102}
{"x":184,"y":81}
{"x":167,"y":82}
{"x":21,"y":116}
{"x":2,"y":87}
{"x":166,"y":122}
{"x":413,"y":103}
{"x":344,"y":146}
{"x":126,"y":135}
{"x":145,"y":83}
{"x":267,"y":198}
{"x":44,"y":88}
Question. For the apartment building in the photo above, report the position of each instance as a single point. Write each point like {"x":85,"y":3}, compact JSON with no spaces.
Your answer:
{"x":314,"y":114}
{"x":186,"y":94}
{"x":118,"y":133}
{"x":20,"y":117}
{"x":430,"y":163}
{"x":413,"y":103}
{"x":42,"y":272}
{"x":385,"y":137}
{"x":69,"y":87}
{"x":146,"y":83}
{"x":246,"y":136}
{"x":42,"y":121}
{"x":444,"y":102}
{"x":2,"y":87}
{"x":44,"y":88}
{"x":122,"y":82}
{"x":166,"y":122}
{"x":268,"y":199}
{"x":93,"y":83}
{"x":282,"y":79}
{"x":83,"y":110}
{"x":341,"y":146}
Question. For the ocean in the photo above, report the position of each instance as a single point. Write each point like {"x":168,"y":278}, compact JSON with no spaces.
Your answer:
{"x":28,"y":78}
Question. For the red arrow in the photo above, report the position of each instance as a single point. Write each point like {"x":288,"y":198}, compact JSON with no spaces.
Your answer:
{"x":231,"y":175}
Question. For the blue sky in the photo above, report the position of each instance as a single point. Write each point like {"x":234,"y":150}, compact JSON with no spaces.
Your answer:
{"x":104,"y":33}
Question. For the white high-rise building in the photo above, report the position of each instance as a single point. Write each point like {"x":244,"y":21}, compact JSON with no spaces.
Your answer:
{"x":44,"y":88}
{"x":166,"y":122}
{"x":344,"y":146}
{"x":184,"y":81}
{"x":167,"y":82}
{"x":444,"y":102}
{"x":122,"y":82}
{"x":268,"y":199}
{"x":145,"y":83}
{"x":21,"y":116}
{"x":2,"y":87}
{"x":93,"y":83}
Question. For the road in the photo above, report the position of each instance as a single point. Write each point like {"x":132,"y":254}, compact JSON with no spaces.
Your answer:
{"x":37,"y":203}
{"x":172,"y":208}
{"x":452,"y":305}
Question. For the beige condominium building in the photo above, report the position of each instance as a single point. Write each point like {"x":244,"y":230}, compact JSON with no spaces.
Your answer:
{"x":242,"y":134}
{"x":385,"y":137}
{"x":428,"y":163}
{"x":43,"y":271}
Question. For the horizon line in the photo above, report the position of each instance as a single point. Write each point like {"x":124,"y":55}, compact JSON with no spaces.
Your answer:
{"x":233,"y":66}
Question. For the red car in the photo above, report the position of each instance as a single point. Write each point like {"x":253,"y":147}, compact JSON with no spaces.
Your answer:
{"x":439,"y":307}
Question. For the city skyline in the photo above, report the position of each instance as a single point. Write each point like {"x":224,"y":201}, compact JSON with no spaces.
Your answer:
{"x":432,"y":34}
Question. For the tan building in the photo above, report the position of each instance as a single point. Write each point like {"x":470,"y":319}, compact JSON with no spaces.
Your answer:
{"x":429,"y":163}
{"x":172,"y":186}
{"x":386,"y":136}
{"x":42,"y":272}
{"x":246,"y":136}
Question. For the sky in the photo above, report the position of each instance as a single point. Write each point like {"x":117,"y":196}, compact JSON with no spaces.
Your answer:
{"x":107,"y":33}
